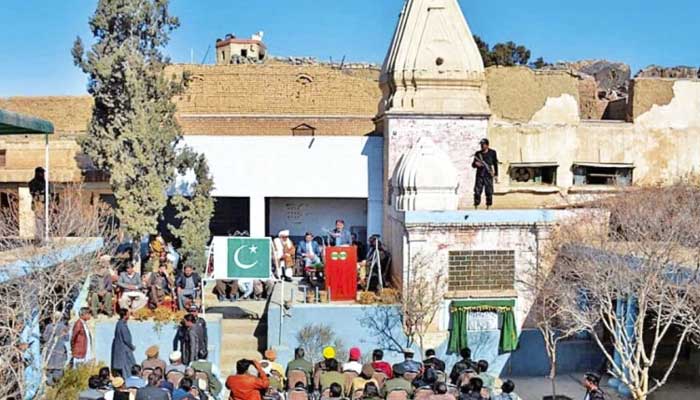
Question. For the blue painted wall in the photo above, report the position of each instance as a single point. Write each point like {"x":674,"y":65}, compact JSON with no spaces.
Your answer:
{"x":349,"y":323}
{"x":144,"y":334}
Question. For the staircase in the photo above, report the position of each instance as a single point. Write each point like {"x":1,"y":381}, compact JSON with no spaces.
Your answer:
{"x":241,"y":338}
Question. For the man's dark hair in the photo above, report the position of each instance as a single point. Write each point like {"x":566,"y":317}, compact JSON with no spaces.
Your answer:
{"x":483,"y":366}
{"x":153,"y":379}
{"x":157,"y":370}
{"x":593,"y":378}
{"x":84,"y":310}
{"x":202,"y":354}
{"x":123,"y":312}
{"x":332,"y":364}
{"x":309,"y":234}
{"x":186,"y":384}
{"x":508,"y":386}
{"x":466,"y":353}
{"x":466,"y":388}
{"x":371,"y":390}
{"x":430,"y":353}
{"x":242,"y":366}
{"x":336,"y":390}
{"x":299,"y":353}
{"x":340,"y":220}
{"x":477,"y":384}
{"x":136,"y":370}
{"x":190,"y":318}
{"x":94,"y":382}
{"x":188,"y":266}
{"x":440,"y":388}
{"x":377,"y":355}
{"x":104,"y":373}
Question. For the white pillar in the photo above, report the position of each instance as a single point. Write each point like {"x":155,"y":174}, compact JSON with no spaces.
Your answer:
{"x":26,"y":216}
{"x":257,"y":216}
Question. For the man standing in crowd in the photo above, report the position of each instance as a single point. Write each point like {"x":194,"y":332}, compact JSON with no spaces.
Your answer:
{"x":341,"y":236}
{"x":591,"y":382}
{"x":81,"y":339}
{"x":122,"y":345}
{"x":55,"y":340}
{"x":486,"y":164}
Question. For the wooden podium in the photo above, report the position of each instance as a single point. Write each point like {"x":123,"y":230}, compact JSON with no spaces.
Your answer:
{"x":341,"y":272}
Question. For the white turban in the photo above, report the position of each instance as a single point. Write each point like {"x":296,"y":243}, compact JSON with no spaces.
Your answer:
{"x":284,"y":233}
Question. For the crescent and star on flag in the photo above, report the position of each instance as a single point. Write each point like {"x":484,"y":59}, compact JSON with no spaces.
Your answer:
{"x":236,"y":256}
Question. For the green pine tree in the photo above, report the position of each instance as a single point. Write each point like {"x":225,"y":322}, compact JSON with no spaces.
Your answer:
{"x":133,"y":133}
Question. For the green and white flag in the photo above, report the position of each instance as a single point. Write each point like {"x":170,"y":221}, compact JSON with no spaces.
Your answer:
{"x":242,"y":257}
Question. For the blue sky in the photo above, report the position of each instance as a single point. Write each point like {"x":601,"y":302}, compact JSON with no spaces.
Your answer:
{"x":36,"y":35}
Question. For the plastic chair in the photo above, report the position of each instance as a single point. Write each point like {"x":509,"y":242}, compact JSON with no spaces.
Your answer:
{"x":297,"y":394}
{"x":397,"y":394}
{"x":380,"y":377}
{"x":295,"y":376}
{"x":174,"y":377}
{"x":349,"y":376}
{"x":410,"y":376}
{"x":422,"y":394}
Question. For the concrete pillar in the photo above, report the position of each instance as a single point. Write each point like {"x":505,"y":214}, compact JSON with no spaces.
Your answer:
{"x":257,"y":216}
{"x":26,"y":216}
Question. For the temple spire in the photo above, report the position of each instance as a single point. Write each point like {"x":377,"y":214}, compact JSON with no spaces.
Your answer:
{"x":433,"y":65}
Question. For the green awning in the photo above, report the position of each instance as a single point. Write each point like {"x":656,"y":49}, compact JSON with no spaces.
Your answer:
{"x":12,"y":123}
{"x":460,"y":310}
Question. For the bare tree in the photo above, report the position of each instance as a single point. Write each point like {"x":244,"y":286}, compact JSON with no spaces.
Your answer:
{"x":422,"y":297}
{"x":636,"y":279}
{"x":552,"y":320}
{"x":41,"y":279}
{"x":314,"y":337}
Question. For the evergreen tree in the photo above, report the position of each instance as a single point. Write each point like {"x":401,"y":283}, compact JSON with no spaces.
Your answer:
{"x":133,"y":133}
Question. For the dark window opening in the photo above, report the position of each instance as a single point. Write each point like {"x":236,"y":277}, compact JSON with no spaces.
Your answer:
{"x":533,"y":173}
{"x":3,"y":157}
{"x":603,"y":174}
{"x":244,"y":52}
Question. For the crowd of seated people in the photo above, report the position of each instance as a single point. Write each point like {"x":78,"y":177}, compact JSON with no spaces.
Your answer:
{"x":375,"y":380}
{"x":155,"y":280}
{"x":153,"y":379}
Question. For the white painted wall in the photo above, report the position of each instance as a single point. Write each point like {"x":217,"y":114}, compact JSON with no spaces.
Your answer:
{"x":295,"y":167}
{"x":302,"y":215}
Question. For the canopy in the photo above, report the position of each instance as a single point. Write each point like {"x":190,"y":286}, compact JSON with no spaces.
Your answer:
{"x":459,"y":311}
{"x":12,"y":123}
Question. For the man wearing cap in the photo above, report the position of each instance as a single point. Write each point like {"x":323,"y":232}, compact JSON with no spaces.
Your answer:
{"x":325,"y":364}
{"x":284,"y":252}
{"x":590,"y":382}
{"x":330,"y":375}
{"x":152,"y":361}
{"x":486,"y":164}
{"x":353,"y":363}
{"x":398,"y":382}
{"x":175,"y":363}
{"x":409,"y":364}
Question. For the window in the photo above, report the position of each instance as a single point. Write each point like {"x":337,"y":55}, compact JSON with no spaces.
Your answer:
{"x":3,"y":157}
{"x":619,"y":174}
{"x":533,"y":173}
{"x":244,"y":52}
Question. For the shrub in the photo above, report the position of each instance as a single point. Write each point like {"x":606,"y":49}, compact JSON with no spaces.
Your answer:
{"x":74,"y":381}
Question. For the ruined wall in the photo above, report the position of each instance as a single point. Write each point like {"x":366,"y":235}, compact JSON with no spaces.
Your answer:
{"x":647,"y":92}
{"x":661,"y":143}
{"x":517,"y":93}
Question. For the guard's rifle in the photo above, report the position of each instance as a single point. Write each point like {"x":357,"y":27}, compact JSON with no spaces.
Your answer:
{"x":488,"y":167}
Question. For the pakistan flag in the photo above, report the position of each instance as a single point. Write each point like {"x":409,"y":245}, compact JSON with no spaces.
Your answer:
{"x":248,"y":258}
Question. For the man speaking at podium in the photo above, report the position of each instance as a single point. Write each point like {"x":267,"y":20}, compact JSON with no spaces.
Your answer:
{"x":341,"y":236}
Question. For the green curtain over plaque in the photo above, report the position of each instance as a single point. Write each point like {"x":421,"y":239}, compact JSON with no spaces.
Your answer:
{"x":460,"y":310}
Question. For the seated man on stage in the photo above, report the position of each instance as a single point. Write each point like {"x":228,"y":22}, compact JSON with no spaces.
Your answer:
{"x":188,"y":284}
{"x":101,"y":292}
{"x":132,"y":297}
{"x":160,"y":284}
{"x":310,"y":250}
{"x":284,"y":252}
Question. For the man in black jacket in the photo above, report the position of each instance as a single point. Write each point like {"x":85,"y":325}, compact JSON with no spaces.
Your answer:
{"x":486,"y":164}
{"x":590,"y":382}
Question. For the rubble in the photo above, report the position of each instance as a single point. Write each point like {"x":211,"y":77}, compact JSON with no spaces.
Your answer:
{"x":678,"y":72}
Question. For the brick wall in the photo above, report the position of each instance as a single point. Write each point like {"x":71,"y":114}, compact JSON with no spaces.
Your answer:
{"x":481,"y":270}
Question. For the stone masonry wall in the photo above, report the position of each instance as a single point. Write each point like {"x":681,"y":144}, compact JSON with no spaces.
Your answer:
{"x":481,"y":270}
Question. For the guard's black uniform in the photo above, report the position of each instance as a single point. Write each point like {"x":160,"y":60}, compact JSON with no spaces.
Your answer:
{"x":484,"y":180}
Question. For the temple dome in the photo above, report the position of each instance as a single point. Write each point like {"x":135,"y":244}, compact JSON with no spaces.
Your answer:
{"x":425,"y":179}
{"x":433,"y":65}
